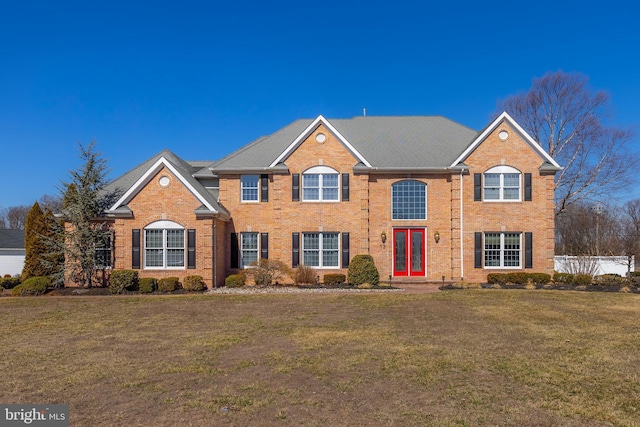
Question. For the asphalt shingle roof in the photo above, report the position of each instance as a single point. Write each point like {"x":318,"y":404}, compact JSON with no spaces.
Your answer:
{"x":384,"y":141}
{"x":11,"y":239}
{"x":127,"y":180}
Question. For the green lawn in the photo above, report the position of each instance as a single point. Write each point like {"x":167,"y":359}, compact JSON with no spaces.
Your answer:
{"x":468,"y":358}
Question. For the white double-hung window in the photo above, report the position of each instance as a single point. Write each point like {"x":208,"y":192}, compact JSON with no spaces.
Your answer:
{"x":164,"y":245}
{"x":502,"y":183}
{"x":320,"y":184}
{"x":249,"y":188}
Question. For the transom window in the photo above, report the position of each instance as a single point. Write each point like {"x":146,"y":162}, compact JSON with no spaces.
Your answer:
{"x":502,"y":250}
{"x":409,"y":200}
{"x":320,"y":250}
{"x":502,"y":183}
{"x":164,"y":245}
{"x":320,"y":184}
{"x":249,"y":249}
{"x":249,"y":188}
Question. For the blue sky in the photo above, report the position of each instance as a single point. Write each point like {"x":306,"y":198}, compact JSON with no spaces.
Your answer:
{"x":204,"y":78}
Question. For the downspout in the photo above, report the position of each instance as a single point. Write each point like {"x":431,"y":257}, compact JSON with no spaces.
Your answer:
{"x":461,"y":228}
{"x":215,"y":258}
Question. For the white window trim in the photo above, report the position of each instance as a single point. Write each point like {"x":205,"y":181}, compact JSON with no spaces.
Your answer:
{"x":426,"y":204}
{"x":321,"y":171}
{"x":242,"y":263}
{"x":501,"y":170}
{"x":502,"y":249}
{"x":242,"y":200}
{"x":165,"y":225}
{"x":321,"y":250}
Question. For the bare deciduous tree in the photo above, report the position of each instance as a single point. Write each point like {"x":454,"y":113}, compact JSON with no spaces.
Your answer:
{"x":630,"y":231}
{"x":569,"y":120}
{"x":15,"y":217}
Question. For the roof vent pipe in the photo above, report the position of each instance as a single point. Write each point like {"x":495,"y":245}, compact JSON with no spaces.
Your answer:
{"x":364,"y":112}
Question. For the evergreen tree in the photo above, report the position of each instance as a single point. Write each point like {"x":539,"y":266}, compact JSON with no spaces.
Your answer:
{"x":84,"y":202}
{"x":34,"y":244}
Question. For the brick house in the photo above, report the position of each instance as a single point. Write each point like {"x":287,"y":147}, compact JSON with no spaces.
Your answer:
{"x":427,"y":197}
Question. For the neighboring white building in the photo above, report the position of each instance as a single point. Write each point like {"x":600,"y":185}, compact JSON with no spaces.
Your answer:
{"x":12,"y":252}
{"x":593,"y":265}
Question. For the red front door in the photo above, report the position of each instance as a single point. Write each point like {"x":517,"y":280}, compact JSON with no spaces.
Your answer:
{"x":408,"y":252}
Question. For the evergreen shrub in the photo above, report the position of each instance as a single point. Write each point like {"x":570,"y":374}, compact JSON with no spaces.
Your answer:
{"x":123,"y":279}
{"x":168,"y":284}
{"x":146,"y":285}
{"x":362,"y":269}
{"x":32,"y":286}
{"x":234,"y":281}
{"x":334,"y":279}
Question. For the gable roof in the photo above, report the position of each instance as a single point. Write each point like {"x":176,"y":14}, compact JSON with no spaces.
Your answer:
{"x":376,"y":142}
{"x":129,"y":184}
{"x":11,"y":239}
{"x":548,"y":163}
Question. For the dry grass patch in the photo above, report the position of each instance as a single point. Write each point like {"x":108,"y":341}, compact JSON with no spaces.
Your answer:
{"x":459,"y":358}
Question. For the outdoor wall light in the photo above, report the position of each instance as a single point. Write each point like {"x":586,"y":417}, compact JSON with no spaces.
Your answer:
{"x":383,"y":237}
{"x":436,"y":236}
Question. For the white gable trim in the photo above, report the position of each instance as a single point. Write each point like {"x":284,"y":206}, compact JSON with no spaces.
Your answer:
{"x":146,"y":177}
{"x":506,"y":117}
{"x":296,"y":142}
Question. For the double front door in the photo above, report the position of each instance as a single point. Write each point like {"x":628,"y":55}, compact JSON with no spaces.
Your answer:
{"x":408,"y":252}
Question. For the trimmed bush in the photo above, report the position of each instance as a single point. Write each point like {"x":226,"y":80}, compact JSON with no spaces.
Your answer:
{"x":362,"y":269}
{"x":32,"y":286}
{"x":9,"y":282}
{"x":168,"y":284}
{"x":234,"y":281}
{"x":304,"y":274}
{"x":123,"y":279}
{"x":334,"y":279}
{"x":497,"y":279}
{"x":147,"y":285}
{"x":517,"y":278}
{"x":194,"y":283}
{"x":563,"y":277}
{"x":610,"y":280}
{"x":540,"y":279}
{"x":582,"y":279}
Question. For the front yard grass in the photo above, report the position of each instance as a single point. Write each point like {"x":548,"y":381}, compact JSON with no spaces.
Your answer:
{"x":463,"y":358}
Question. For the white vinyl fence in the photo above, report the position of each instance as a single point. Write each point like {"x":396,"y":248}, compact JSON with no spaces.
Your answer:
{"x":593,"y":265}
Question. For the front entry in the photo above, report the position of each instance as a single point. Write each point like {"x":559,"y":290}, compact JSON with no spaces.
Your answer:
{"x":408,"y":253}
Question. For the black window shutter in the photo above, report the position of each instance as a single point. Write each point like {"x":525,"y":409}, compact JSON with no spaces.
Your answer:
{"x":295,"y":249}
{"x":295,"y":187}
{"x":345,"y":187}
{"x":264,"y":188}
{"x":527,"y":187}
{"x":191,"y":248}
{"x":477,"y":251}
{"x":477,"y":187}
{"x":235,"y":262}
{"x":264,"y":245}
{"x":345,"y":250}
{"x":528,"y":250}
{"x":135,"y":248}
